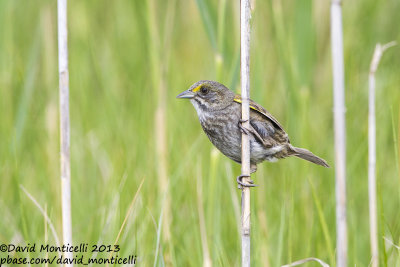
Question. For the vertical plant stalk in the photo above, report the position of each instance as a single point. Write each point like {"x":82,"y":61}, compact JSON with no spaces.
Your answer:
{"x":207,"y":262}
{"x":64,"y":125}
{"x":373,"y":217}
{"x":219,"y":58}
{"x":340,"y":132}
{"x":159,"y":54}
{"x":245,"y":84}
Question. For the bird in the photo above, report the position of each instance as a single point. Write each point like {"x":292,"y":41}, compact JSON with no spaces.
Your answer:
{"x":219,"y":112}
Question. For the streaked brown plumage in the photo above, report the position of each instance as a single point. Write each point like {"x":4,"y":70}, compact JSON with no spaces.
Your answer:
{"x":219,"y":112}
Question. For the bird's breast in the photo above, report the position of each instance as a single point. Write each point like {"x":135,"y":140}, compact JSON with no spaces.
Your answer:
{"x":222,"y":129}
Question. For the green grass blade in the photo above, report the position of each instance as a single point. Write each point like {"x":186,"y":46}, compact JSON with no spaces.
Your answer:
{"x":324,"y":225}
{"x":208,"y":23}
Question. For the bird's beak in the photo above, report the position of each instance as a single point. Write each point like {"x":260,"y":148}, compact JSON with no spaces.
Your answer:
{"x":186,"y":94}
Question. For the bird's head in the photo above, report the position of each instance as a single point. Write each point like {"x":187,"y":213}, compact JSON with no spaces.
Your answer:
{"x":208,"y":96}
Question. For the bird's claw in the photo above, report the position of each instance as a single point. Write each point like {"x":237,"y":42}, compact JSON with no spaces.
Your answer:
{"x":242,"y":128}
{"x":241,"y":185}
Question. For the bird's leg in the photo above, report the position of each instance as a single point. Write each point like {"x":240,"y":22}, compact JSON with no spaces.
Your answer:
{"x":242,"y":128}
{"x":241,"y":184}
{"x":250,"y":183}
{"x":250,"y":130}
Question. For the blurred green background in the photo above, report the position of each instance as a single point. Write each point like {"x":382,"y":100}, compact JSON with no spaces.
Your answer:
{"x":128,"y":60}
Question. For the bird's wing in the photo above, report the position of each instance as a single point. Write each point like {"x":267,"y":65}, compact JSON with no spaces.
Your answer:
{"x":259,"y":109}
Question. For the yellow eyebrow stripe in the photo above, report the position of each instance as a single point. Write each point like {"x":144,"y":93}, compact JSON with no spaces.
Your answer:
{"x":240,"y":101}
{"x":196,"y":89}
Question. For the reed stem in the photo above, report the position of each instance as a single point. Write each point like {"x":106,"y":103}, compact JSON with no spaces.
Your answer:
{"x":245,"y":84}
{"x":64,"y":125}
{"x":373,"y":217}
{"x":340,"y":131}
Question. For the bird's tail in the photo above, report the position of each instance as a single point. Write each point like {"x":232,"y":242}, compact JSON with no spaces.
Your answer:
{"x":307,"y":155}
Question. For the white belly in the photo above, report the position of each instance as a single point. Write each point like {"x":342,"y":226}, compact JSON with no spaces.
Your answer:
{"x":260,"y":153}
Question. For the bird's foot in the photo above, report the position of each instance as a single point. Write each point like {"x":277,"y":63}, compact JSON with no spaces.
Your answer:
{"x":241,"y":184}
{"x":242,"y":128}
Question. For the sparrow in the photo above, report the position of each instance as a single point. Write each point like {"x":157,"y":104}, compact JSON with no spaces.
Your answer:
{"x":219,"y":111}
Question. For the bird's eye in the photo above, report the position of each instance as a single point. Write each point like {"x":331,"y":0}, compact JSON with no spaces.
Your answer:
{"x":204,"y":90}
